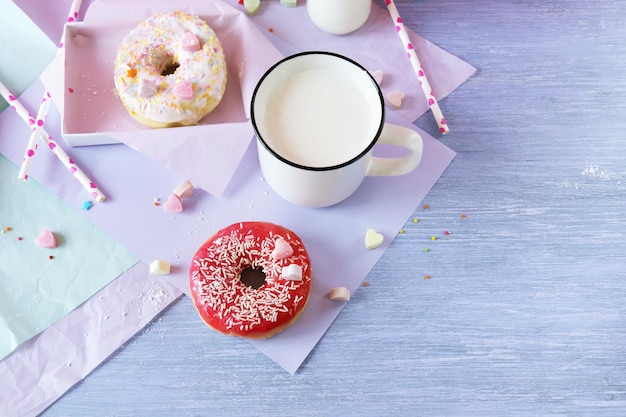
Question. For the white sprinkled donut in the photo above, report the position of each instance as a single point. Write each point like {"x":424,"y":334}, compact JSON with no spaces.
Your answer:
{"x":251,"y":279}
{"x":170,"y":70}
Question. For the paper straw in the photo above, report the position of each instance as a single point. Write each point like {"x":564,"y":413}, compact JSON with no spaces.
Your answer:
{"x":32,"y":142}
{"x":417,"y":67}
{"x":15,"y":105}
{"x":72,"y":15}
{"x":69,"y":163}
{"x":42,"y":113}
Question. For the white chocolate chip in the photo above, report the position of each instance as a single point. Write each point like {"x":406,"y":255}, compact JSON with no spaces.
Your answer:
{"x":159,"y":268}
{"x":339,"y":294}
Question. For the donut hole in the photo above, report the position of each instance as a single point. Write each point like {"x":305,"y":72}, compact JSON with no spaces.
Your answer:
{"x":252,"y":277}
{"x":169,"y":66}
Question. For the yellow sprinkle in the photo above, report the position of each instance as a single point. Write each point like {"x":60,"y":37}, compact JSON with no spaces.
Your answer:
{"x":433,"y":238}
{"x":401,"y":231}
{"x":416,"y":220}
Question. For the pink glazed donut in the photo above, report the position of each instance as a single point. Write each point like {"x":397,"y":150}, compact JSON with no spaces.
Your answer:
{"x":170,"y":70}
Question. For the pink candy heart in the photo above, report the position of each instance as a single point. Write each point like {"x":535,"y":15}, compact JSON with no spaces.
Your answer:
{"x":282,"y":249}
{"x":46,"y":239}
{"x":395,"y":99}
{"x":173,"y":204}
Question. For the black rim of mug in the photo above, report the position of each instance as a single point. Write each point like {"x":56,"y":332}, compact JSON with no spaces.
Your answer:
{"x":305,"y":167}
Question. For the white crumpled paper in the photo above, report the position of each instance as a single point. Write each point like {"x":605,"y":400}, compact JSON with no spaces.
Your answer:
{"x":45,"y":367}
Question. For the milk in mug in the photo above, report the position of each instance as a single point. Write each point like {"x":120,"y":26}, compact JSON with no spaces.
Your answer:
{"x":319,"y":118}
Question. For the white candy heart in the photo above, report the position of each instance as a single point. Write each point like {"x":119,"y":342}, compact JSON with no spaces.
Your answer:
{"x":46,"y":239}
{"x":373,"y":239}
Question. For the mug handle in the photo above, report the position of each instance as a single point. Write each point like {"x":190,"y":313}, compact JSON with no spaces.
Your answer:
{"x":399,"y":136}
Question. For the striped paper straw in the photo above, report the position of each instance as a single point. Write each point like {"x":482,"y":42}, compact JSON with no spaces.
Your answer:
{"x":69,"y":163}
{"x":32,"y":142}
{"x":42,"y":113}
{"x":417,"y":67}
{"x":15,"y":105}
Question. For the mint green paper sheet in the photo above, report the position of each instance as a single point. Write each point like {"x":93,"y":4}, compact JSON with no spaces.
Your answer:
{"x":39,"y":286}
{"x":26,"y":50}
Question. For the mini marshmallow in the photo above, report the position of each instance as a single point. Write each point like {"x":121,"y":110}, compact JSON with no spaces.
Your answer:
{"x":292,"y":272}
{"x":184,"y":90}
{"x":184,"y":189}
{"x":339,"y":294}
{"x":147,"y":88}
{"x":190,"y":42}
{"x":282,"y":249}
{"x":159,"y":268}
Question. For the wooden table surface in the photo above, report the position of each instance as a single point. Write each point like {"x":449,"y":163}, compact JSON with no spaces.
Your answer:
{"x":525,"y":310}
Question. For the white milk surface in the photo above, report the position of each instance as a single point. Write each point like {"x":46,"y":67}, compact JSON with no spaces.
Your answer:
{"x":318,"y":118}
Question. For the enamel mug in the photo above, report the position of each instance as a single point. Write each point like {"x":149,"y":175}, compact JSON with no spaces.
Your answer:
{"x":317,"y":116}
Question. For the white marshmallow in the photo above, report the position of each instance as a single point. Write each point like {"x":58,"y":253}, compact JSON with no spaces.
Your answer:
{"x":339,"y":294}
{"x":292,"y":272}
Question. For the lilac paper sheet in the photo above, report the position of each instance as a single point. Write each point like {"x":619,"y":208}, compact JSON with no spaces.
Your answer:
{"x":36,"y":374}
{"x":176,"y":237}
{"x":334,"y":236}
